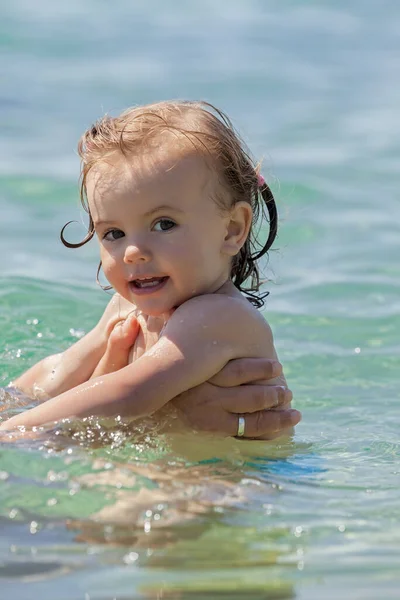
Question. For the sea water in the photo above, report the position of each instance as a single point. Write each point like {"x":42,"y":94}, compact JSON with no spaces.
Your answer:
{"x":95,"y":512}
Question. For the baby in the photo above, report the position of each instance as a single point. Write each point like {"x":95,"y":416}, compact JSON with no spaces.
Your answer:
{"x":174,"y":200}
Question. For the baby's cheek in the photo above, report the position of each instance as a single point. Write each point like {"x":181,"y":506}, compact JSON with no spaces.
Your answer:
{"x":110,"y":268}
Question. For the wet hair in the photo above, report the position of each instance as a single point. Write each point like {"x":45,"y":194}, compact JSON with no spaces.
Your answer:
{"x":210,"y":132}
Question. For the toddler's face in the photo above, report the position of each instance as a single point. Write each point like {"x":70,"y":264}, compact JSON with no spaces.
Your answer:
{"x":160,"y":231}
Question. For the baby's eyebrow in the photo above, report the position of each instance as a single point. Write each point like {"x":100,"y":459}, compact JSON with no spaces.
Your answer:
{"x":161,"y":208}
{"x":101,"y":223}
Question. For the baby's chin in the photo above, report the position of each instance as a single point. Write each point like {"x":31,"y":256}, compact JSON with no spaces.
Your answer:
{"x":162,"y":310}
{"x":156,"y":307}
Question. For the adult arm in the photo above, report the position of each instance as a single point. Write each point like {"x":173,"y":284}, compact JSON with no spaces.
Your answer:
{"x":215,"y":405}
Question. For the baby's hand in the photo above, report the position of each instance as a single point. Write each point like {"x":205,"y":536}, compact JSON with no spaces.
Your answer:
{"x":120,"y":341}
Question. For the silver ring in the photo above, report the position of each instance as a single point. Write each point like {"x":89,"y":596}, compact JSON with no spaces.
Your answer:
{"x":241,"y":426}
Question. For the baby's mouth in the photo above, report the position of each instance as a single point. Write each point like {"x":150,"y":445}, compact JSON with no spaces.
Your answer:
{"x":148,"y":282}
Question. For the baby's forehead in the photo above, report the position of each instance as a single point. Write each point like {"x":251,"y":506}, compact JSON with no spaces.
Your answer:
{"x":161,"y":166}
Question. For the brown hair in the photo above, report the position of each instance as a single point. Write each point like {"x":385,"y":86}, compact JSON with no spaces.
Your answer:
{"x":211,"y":132}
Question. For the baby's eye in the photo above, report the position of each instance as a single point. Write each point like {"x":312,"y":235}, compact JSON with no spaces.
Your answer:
{"x":164,"y":225}
{"x":113,"y":234}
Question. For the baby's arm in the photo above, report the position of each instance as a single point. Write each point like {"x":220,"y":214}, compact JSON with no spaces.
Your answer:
{"x":58,"y":373}
{"x":200,"y":338}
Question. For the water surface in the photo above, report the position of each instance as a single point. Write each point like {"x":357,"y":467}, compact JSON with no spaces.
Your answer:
{"x":91,"y":513}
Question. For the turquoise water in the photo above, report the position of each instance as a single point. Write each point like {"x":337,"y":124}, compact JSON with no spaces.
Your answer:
{"x":101,"y":514}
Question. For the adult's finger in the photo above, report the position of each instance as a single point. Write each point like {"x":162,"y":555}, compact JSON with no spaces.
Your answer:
{"x":247,"y":370}
{"x":252,"y":398}
{"x":267,"y":424}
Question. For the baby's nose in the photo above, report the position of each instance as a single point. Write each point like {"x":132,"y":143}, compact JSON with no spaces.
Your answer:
{"x":136,"y":253}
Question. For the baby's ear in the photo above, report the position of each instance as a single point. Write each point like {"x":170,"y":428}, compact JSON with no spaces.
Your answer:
{"x":238,"y":228}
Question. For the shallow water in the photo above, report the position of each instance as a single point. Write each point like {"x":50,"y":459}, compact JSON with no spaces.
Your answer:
{"x":94,"y":513}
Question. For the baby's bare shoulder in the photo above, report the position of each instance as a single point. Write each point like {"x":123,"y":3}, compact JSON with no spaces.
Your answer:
{"x":227,"y":319}
{"x":209,"y":308}
{"x":213,"y":307}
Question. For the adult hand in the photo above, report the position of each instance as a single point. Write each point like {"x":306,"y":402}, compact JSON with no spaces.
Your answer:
{"x":215,"y":405}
